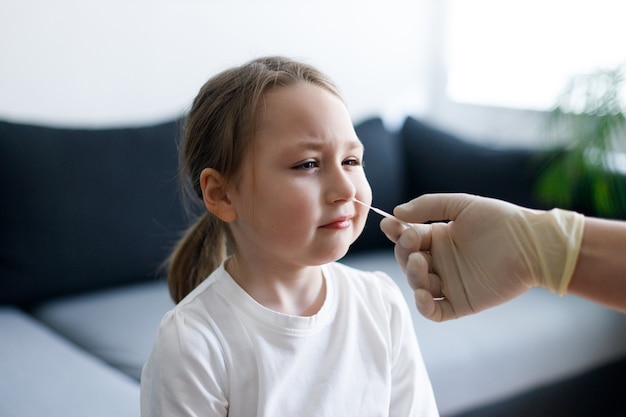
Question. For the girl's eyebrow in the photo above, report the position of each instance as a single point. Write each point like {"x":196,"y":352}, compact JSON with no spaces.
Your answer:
{"x":316,"y":145}
{"x":355,"y":144}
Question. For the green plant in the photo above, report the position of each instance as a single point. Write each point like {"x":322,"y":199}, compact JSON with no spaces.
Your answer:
{"x":590,"y":115}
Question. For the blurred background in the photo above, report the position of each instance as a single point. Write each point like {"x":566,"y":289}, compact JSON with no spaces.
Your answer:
{"x":485,"y":68}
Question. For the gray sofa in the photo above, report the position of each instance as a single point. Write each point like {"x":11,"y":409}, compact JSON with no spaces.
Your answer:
{"x":87,"y":217}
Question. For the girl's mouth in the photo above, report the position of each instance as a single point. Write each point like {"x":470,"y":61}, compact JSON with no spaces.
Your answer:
{"x":343,"y":222}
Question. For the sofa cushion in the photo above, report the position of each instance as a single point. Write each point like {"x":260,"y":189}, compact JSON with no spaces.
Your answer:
{"x":42,"y":374}
{"x":441,"y":162}
{"x":84,"y":209}
{"x":116,"y":325}
{"x":384,"y":167}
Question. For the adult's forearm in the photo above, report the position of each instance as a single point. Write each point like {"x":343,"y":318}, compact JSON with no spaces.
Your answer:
{"x":600,"y":273}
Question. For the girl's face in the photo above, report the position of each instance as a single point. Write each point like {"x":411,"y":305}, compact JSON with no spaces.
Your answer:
{"x":294,"y":193}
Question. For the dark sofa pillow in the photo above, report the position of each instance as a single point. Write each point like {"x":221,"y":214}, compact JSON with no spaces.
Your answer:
{"x":440,"y":162}
{"x":384,"y":167}
{"x":83,"y":209}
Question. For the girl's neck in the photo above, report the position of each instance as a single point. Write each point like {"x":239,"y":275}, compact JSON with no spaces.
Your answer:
{"x":298,"y":292}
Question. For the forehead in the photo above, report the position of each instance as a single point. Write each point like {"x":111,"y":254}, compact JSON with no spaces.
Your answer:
{"x":305,"y":112}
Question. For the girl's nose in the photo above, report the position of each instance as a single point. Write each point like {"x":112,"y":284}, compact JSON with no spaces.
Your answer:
{"x":340,"y":186}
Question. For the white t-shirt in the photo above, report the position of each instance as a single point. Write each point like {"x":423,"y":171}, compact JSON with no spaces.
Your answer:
{"x":220,"y":353}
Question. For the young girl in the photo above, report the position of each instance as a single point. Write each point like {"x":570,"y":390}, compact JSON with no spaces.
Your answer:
{"x":277,"y":328}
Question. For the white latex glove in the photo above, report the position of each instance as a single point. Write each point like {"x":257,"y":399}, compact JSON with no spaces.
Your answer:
{"x":489,"y":252}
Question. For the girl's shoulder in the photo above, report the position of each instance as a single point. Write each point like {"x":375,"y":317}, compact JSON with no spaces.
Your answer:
{"x":195,"y":316}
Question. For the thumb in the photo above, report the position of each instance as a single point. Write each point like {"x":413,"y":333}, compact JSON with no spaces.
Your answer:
{"x":433,"y":207}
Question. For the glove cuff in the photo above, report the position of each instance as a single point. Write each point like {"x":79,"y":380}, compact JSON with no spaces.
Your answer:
{"x":556,"y":236}
{"x":570,"y":225}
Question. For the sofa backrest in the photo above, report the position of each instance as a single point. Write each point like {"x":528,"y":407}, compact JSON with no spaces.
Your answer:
{"x":440,"y":162}
{"x":83,"y":209}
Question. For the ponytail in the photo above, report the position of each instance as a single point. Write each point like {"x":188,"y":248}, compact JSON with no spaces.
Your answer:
{"x":201,"y":250}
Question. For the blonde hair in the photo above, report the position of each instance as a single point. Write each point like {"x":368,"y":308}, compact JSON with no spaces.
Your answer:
{"x":218,"y":132}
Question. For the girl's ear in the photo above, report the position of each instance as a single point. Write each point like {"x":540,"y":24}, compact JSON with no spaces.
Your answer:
{"x":214,"y":195}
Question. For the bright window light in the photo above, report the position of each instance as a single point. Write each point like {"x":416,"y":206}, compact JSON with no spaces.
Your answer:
{"x":520,"y":54}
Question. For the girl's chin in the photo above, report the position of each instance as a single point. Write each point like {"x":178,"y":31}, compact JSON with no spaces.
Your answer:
{"x":338,"y":254}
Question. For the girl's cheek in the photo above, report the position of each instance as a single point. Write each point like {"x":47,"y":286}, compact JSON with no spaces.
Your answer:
{"x":364,"y":189}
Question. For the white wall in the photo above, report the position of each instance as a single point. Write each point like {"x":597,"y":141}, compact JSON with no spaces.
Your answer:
{"x":124,"y":62}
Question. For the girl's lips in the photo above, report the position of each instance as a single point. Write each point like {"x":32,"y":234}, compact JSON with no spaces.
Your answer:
{"x":342,"y":222}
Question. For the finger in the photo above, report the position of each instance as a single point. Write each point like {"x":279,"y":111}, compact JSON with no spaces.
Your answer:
{"x":402,"y":256}
{"x":432,"y":207}
{"x":419,"y":273}
{"x":426,"y":305}
{"x":391,"y":228}
{"x":418,"y":237}
{"x":438,"y":311}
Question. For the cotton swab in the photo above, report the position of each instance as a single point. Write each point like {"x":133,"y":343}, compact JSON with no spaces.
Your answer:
{"x":382,"y":213}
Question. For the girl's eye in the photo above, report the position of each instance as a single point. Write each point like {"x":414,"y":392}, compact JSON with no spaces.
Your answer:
{"x":353,"y":162}
{"x":307,"y":165}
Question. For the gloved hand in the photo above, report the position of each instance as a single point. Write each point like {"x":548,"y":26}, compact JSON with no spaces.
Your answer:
{"x":489,"y":252}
